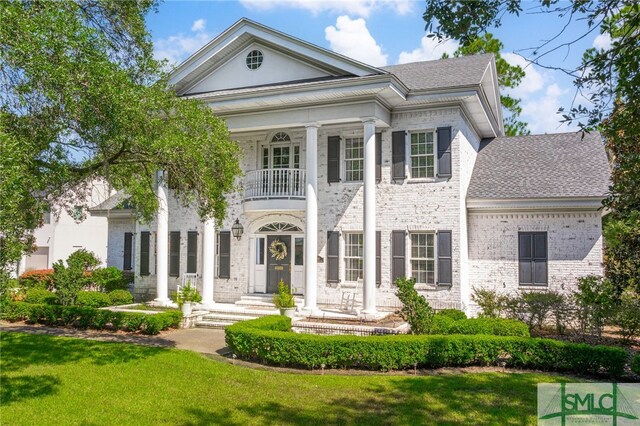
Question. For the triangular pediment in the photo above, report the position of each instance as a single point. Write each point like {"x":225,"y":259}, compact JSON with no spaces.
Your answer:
{"x":224,"y":63}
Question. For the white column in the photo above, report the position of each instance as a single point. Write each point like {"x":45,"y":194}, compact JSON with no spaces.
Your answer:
{"x":162,"y":243}
{"x":311,"y":227}
{"x":208,"y":261}
{"x":369,"y":291}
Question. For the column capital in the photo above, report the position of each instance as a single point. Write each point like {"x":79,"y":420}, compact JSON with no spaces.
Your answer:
{"x":366,"y":120}
{"x":312,"y":124}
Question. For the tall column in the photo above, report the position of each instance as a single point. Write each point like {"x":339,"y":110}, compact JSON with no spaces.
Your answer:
{"x":311,"y":227}
{"x":162,"y":243}
{"x":369,"y":291}
{"x":208,"y":261}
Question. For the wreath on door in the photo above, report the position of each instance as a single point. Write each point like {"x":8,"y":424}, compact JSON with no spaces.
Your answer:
{"x":278,"y":250}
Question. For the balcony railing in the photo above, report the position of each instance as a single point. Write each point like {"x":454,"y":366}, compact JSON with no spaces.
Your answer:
{"x":275,"y":183}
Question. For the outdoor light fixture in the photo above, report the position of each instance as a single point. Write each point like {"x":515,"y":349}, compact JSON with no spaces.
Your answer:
{"x":237,"y":229}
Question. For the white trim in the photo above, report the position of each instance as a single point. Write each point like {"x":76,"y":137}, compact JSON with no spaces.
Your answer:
{"x":533,"y":204}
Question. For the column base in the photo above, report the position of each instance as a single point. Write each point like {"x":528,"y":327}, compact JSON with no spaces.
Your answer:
{"x":162,"y":302}
{"x":310,"y":311}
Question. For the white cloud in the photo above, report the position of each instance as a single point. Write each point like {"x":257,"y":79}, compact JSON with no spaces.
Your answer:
{"x":430,"y":49}
{"x":602,"y":41}
{"x":541,"y":113}
{"x":362,"y":8}
{"x":533,"y":80}
{"x":177,"y":48}
{"x":199,"y":25}
{"x":351,"y":38}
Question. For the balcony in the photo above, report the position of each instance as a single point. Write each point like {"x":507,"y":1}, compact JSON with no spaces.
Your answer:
{"x":275,"y":189}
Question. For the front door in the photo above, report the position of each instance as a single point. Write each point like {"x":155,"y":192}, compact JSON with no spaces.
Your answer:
{"x":278,"y":269}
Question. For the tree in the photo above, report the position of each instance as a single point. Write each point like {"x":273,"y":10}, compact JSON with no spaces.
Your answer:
{"x":509,"y":76}
{"x":81,"y":98}
{"x":608,"y":78}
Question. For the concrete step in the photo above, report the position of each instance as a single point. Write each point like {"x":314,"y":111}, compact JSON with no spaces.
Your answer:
{"x":217,"y":316}
{"x":238,"y":310}
{"x":213,"y":324}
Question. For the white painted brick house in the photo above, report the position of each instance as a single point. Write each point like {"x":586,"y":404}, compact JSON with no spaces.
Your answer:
{"x":366,"y":174}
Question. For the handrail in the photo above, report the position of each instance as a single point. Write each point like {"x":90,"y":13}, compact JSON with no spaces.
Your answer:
{"x":275,"y":183}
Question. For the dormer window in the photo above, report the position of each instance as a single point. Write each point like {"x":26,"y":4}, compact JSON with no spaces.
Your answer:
{"x":254,"y":59}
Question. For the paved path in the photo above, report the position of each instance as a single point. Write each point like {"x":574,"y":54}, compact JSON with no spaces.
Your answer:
{"x":203,"y":340}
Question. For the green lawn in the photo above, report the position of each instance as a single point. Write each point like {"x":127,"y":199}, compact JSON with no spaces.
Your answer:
{"x":53,"y":380}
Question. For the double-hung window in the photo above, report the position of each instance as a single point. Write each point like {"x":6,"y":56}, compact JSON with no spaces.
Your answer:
{"x":354,"y":159}
{"x":423,"y":258}
{"x":422,"y":154}
{"x":353,"y":256}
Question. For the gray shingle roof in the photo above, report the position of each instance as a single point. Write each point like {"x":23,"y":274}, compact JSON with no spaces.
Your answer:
{"x":541,"y":166}
{"x":442,"y":73}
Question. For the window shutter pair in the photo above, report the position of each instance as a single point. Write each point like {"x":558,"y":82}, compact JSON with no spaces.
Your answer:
{"x":174,"y":253}
{"x":333,"y":158}
{"x":224,"y":255}
{"x":398,"y":153}
{"x":398,"y":255}
{"x":333,"y":258}
{"x":532,"y":253}
{"x":128,"y":250}
{"x":145,"y":238}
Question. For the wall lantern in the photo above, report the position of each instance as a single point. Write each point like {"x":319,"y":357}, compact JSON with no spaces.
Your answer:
{"x":237,"y":229}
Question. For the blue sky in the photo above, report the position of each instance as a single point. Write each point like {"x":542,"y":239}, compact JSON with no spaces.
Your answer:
{"x":382,"y":32}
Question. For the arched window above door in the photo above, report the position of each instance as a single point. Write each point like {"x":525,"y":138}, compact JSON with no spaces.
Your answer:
{"x":279,"y":227}
{"x":281,"y":137}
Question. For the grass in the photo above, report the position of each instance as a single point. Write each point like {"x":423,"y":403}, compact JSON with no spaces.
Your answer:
{"x":57,"y":380}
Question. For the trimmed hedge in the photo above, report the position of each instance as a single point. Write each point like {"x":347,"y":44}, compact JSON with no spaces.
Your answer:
{"x":635,"y":364}
{"x":92,"y":299}
{"x":444,"y":324}
{"x":87,"y":317}
{"x":454,"y":314}
{"x":40,"y":295}
{"x":269,"y":340}
{"x":120,"y":297}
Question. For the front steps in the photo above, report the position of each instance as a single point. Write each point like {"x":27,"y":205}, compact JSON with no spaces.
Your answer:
{"x":247,"y":308}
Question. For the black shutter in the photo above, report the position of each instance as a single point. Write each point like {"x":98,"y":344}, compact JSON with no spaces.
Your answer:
{"x":128,"y":249}
{"x":224,"y":269}
{"x":397,"y":255}
{"x":444,"y":258}
{"x":144,"y":252}
{"x":525,"y":258}
{"x":174,"y":253}
{"x":192,"y":252}
{"x":540,"y":258}
{"x":378,"y":258}
{"x":333,"y":262}
{"x":378,"y":157}
{"x":333,"y":159}
{"x":398,"y":146}
{"x":444,"y":151}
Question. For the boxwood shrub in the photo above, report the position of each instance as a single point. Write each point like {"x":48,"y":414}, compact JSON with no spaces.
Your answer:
{"x":444,"y":324}
{"x":93,"y":299}
{"x":87,"y":317}
{"x":454,"y":314}
{"x":635,"y":364}
{"x":40,"y":295}
{"x":120,"y":297}
{"x":269,"y":340}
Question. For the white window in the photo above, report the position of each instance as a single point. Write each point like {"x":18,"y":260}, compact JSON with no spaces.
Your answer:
{"x":422,"y":154}
{"x":353,"y":256}
{"x":354,"y":159}
{"x":423,"y":258}
{"x":254,"y":59}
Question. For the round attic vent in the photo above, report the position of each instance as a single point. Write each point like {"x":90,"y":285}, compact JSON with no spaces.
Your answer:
{"x":254,"y":59}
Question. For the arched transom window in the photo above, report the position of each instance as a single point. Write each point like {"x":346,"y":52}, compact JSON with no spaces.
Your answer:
{"x":281,"y":137}
{"x":279,"y":227}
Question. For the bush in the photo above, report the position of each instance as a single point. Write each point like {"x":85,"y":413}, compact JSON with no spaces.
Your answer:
{"x":454,"y":314}
{"x":71,"y":278}
{"x":627,"y":315}
{"x":87,"y":317}
{"x":109,"y":279}
{"x":269,"y":340}
{"x":635,"y":364}
{"x":92,"y":299}
{"x":38,"y":278}
{"x":40,"y":296}
{"x":415,"y":310}
{"x":491,"y":303}
{"x":534,"y":307}
{"x":120,"y":297}
{"x":491,"y":326}
{"x":595,"y":300}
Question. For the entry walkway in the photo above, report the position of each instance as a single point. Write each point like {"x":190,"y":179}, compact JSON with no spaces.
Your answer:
{"x":203,"y":340}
